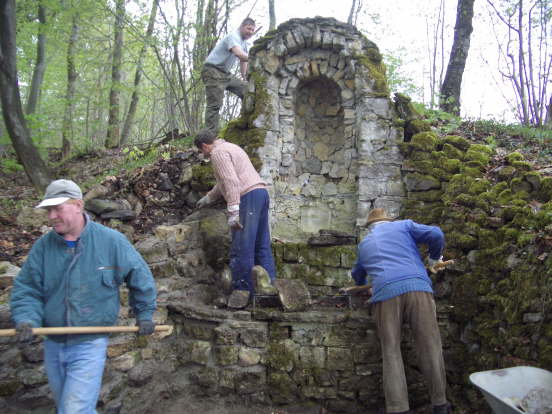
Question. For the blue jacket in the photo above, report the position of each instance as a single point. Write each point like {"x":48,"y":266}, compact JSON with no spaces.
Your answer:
{"x":62,"y":286}
{"x":390,"y":256}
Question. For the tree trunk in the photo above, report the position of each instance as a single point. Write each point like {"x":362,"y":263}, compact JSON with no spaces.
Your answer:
{"x":138,"y":75}
{"x":351,"y":12}
{"x":66,"y":129}
{"x":272,"y":14}
{"x":450,"y":90}
{"x":12,"y":110}
{"x":40,"y":65}
{"x":548,"y":117}
{"x":113,"y":132}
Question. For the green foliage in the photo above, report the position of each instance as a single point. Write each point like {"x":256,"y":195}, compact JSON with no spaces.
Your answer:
{"x":510,"y":135}
{"x":10,"y":165}
{"x":443,"y":121}
{"x":397,"y":79}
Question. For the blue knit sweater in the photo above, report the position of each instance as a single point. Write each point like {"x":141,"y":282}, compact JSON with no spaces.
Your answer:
{"x":389,"y":255}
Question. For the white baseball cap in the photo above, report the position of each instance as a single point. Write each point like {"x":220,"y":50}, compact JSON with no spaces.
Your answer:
{"x":59,"y":191}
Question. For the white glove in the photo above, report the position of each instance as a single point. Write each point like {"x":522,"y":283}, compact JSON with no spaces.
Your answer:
{"x":433,"y":262}
{"x":234,"y":217}
{"x":234,"y":222}
{"x":203,"y":201}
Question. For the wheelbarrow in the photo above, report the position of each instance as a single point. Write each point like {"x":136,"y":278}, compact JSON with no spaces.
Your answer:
{"x":502,"y":388}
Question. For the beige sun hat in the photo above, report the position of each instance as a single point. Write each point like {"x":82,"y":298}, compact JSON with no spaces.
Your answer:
{"x":377,"y":214}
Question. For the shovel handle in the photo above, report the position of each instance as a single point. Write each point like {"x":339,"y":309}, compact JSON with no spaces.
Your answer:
{"x":70,"y":330}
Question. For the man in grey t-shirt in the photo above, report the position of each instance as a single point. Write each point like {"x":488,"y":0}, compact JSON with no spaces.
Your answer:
{"x":216,"y":70}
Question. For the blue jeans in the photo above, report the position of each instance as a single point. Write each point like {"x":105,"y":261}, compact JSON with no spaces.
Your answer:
{"x":75,"y":374}
{"x":251,"y":245}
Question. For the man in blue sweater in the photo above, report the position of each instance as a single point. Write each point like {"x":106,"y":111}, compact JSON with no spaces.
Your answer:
{"x":402,"y":292}
{"x":71,"y":278}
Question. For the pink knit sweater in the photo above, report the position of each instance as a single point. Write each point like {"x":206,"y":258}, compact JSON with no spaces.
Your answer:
{"x":234,"y":173}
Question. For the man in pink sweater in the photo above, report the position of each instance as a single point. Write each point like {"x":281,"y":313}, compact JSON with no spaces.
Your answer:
{"x":247,"y":207}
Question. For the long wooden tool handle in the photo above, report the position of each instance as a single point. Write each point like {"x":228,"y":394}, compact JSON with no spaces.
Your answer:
{"x":69,"y":330}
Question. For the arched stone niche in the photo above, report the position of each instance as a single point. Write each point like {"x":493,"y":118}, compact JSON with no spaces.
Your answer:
{"x":318,"y":97}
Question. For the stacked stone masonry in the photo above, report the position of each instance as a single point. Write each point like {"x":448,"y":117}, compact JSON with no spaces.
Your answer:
{"x":330,"y":150}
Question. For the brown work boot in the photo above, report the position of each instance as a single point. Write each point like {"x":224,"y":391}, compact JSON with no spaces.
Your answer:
{"x":261,"y":281}
{"x":238,"y":299}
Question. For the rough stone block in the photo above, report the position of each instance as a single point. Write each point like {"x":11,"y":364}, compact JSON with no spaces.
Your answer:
{"x":248,"y":357}
{"x":339,"y":359}
{"x":153,"y":250}
{"x":282,"y":388}
{"x":199,"y":351}
{"x":312,"y":357}
{"x":202,"y":331}
{"x":227,"y":355}
{"x":124,"y":362}
{"x":293,"y":294}
{"x":255,"y":336}
{"x":250,"y":381}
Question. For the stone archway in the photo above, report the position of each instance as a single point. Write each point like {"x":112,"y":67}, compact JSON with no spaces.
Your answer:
{"x":319,"y":105}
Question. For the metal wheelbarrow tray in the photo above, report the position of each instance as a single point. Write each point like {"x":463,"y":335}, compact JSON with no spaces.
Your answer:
{"x":515,"y":382}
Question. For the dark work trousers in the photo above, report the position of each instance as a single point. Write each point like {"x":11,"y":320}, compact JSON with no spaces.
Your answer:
{"x":251,"y":245}
{"x":216,"y":82}
{"x":418,"y":310}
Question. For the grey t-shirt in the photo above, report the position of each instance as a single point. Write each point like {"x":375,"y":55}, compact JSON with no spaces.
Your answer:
{"x":221,"y":56}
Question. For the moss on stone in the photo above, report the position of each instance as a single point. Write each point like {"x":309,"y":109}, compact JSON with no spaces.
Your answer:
{"x":514,"y":156}
{"x":478,"y":153}
{"x":452,"y":165}
{"x":9,"y":387}
{"x":545,"y":192}
{"x":533,"y":178}
{"x":203,"y":177}
{"x":522,"y":165}
{"x":416,"y":126}
{"x":245,"y":130}
{"x":520,"y":185}
{"x":452,"y":152}
{"x":372,"y":61}
{"x":425,"y":141}
{"x":280,"y":356}
{"x":459,"y":142}
{"x":506,"y":172}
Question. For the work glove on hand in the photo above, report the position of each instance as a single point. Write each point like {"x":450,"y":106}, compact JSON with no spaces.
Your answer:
{"x":234,"y":217}
{"x":432,"y":264}
{"x":145,"y":327}
{"x":203,"y":201}
{"x":24,"y":332}
{"x":234,"y":221}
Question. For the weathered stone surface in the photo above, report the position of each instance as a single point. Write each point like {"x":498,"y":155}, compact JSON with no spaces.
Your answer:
{"x":32,"y":377}
{"x":248,"y":357}
{"x":99,"y":206}
{"x":8,"y":272}
{"x":199,"y":351}
{"x":153,"y":250}
{"x":124,"y":362}
{"x":96,"y":191}
{"x":123,"y":215}
{"x":141,"y":374}
{"x":33,"y":218}
{"x":120,"y":344}
{"x":227,"y":354}
{"x":294,"y":294}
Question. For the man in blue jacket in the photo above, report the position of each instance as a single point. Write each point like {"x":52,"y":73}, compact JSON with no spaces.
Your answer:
{"x":71,"y":278}
{"x":402,"y":292}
